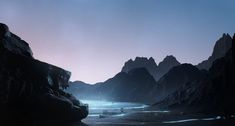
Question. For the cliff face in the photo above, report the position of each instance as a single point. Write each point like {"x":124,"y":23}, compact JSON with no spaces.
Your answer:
{"x":31,"y":89}
{"x":220,"y":49}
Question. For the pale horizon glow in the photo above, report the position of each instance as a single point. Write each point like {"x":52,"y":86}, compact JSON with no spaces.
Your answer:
{"x":94,"y":38}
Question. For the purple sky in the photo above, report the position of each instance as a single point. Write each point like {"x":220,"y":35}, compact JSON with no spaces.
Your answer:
{"x":93,"y":38}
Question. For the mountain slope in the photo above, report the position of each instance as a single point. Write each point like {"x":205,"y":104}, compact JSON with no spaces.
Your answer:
{"x":174,"y":79}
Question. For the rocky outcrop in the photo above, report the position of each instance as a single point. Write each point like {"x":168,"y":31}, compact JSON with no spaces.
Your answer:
{"x":221,"y":47}
{"x":30,"y":89}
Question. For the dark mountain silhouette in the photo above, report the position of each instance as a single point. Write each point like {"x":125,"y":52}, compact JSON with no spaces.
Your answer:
{"x":140,"y":62}
{"x":164,"y":66}
{"x":156,"y":71}
{"x":130,"y":86}
{"x":175,"y":78}
{"x":82,"y":90}
{"x":31,"y":90}
{"x":221,"y":47}
{"x":214,"y":94}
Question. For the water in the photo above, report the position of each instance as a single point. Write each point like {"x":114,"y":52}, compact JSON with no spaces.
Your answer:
{"x":127,"y":113}
{"x":198,"y":119}
{"x":114,"y":109}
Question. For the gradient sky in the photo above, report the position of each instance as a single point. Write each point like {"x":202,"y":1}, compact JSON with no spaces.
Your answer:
{"x":93,"y":38}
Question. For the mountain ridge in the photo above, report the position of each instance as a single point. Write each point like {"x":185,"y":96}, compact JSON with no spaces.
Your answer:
{"x":157,"y":71}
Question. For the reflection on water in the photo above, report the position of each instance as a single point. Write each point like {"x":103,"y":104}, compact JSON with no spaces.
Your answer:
{"x":164,"y":111}
{"x":190,"y":120}
{"x":103,"y":109}
{"x":107,"y":105}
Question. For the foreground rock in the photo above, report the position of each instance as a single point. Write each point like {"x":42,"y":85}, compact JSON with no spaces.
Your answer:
{"x":32,"y":90}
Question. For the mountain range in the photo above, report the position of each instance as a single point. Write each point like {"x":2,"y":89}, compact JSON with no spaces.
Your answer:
{"x":157,"y":71}
{"x":170,"y":84}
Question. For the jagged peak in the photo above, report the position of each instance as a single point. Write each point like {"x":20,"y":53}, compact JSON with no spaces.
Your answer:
{"x":222,"y":45}
{"x":130,"y":60}
{"x":226,"y":35}
{"x":169,"y":58}
{"x":141,"y":58}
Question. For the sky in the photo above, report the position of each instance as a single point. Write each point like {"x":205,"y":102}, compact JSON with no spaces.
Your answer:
{"x":94,"y":38}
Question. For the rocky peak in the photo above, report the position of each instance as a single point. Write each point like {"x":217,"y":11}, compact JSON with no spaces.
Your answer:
{"x":164,"y":66}
{"x":221,"y":47}
{"x":140,"y":62}
{"x":150,"y":64}
{"x":169,"y":61}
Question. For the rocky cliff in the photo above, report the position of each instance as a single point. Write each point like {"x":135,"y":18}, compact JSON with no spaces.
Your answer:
{"x":220,"y":49}
{"x":31,"y":90}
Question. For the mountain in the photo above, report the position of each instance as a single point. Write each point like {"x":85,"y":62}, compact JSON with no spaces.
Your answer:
{"x":82,"y":90}
{"x":221,"y":47}
{"x":130,"y":86}
{"x":140,"y":62}
{"x":214,"y":94}
{"x":156,"y":71}
{"x":174,"y":79}
{"x":164,"y":66}
{"x":30,"y":89}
